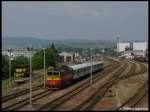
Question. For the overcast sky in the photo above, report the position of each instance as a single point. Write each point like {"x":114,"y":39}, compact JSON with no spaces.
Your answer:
{"x":86,"y":20}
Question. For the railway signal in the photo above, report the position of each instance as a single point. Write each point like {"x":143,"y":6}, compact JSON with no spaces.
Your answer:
{"x":44,"y":67}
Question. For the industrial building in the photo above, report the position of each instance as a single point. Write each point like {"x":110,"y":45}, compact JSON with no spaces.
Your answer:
{"x":66,"y":57}
{"x":140,"y":46}
{"x":122,"y":46}
{"x":129,"y":50}
{"x":16,"y":53}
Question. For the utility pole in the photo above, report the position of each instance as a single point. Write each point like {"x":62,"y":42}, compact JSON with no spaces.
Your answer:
{"x":117,"y":45}
{"x":30,"y":53}
{"x":44,"y":67}
{"x":91,"y":66}
{"x":9,"y":50}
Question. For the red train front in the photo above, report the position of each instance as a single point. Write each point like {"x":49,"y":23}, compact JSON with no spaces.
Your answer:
{"x":57,"y":79}
{"x":53,"y":79}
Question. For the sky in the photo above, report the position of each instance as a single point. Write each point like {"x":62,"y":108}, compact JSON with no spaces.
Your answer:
{"x":96,"y":20}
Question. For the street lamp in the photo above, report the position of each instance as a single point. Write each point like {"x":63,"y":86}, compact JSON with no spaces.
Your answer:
{"x":9,"y":50}
{"x":91,"y":67}
{"x":44,"y":67}
{"x":30,"y":52}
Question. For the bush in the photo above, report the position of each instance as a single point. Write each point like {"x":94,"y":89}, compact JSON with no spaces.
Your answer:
{"x":5,"y":67}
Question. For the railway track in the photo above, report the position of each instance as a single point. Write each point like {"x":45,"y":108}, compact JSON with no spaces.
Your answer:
{"x":42,"y":94}
{"x":25,"y":91}
{"x":99,"y":93}
{"x":132,"y":74}
{"x":25,"y":101}
{"x":96,"y":97}
{"x":133,"y":68}
{"x":14,"y":95}
{"x":143,"y":103}
{"x":14,"y":105}
{"x":89,"y":103}
{"x":136,"y":98}
{"x":22,"y":92}
{"x":60,"y":100}
{"x":35,"y":75}
{"x":10,"y":97}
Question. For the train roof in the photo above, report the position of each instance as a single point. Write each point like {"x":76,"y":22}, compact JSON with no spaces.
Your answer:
{"x":79,"y":66}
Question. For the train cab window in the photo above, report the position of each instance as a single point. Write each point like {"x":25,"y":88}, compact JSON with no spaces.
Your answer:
{"x":52,"y":73}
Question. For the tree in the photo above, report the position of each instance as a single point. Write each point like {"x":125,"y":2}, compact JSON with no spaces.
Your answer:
{"x":53,"y":48}
{"x":37,"y":60}
{"x":21,"y":60}
{"x":5,"y":66}
{"x":50,"y":57}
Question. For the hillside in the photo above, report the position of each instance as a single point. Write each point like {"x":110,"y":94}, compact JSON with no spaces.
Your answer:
{"x":15,"y":42}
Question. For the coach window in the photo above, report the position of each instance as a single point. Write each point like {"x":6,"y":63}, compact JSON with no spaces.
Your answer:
{"x":86,"y":69}
{"x":79,"y":71}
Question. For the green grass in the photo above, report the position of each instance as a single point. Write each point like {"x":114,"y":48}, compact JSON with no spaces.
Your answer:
{"x":19,"y":78}
{"x":4,"y":84}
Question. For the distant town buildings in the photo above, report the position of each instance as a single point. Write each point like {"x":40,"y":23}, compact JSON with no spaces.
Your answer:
{"x":129,"y":50}
{"x":140,"y":46}
{"x":66,"y":57}
{"x":122,"y":46}
{"x":18,"y":52}
{"x":98,"y":56}
{"x":70,"y":57}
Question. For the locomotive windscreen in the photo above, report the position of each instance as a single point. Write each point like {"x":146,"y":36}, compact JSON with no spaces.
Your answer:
{"x":52,"y":73}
